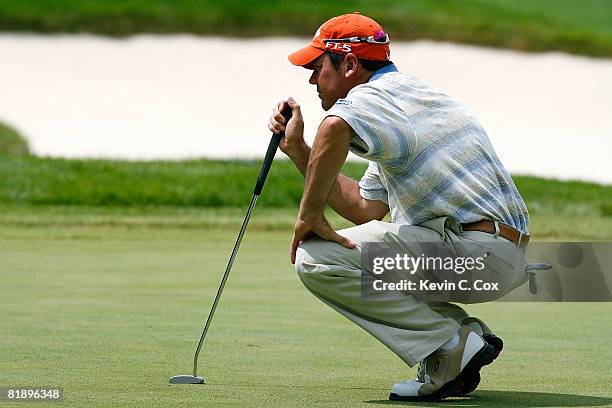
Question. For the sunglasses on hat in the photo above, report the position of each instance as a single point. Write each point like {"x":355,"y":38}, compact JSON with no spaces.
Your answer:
{"x":382,"y":40}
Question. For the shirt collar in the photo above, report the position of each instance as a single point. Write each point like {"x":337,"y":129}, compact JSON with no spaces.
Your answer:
{"x":384,"y":70}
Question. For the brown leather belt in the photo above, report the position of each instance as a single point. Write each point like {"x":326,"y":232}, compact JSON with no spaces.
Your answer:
{"x":505,"y":231}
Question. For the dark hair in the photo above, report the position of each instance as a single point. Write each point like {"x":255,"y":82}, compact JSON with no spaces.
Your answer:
{"x":368,"y":65}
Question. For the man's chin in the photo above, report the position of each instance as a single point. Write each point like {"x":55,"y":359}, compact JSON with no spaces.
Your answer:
{"x":326,"y":105}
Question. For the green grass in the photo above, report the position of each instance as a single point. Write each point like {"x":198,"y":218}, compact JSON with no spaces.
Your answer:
{"x":110,"y":311}
{"x":575,"y":26}
{"x":11,"y":142}
{"x":58,"y":219}
{"x":205,"y":183}
{"x":27,"y":181}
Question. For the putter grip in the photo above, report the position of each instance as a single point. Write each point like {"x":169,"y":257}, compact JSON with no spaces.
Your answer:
{"x":267,"y":163}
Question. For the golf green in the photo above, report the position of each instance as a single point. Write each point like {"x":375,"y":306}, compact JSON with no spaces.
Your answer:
{"x":110,"y":313}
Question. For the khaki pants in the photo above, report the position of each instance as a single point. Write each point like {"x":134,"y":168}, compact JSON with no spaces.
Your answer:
{"x":410,"y":327}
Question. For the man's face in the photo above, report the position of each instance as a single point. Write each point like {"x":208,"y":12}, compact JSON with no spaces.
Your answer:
{"x":331,"y":83}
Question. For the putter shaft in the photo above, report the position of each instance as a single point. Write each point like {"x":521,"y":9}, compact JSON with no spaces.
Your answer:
{"x":223,"y":280}
{"x":261,"y":179}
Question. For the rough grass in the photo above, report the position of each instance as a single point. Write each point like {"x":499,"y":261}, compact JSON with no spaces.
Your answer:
{"x":216,"y":183}
{"x":60,"y":220}
{"x":110,"y":313}
{"x":11,"y":142}
{"x":575,"y":26}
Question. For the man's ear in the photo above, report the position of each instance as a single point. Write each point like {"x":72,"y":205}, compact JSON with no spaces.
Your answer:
{"x":351,"y":64}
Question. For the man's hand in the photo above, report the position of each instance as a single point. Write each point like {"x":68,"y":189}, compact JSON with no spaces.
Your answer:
{"x":293,"y":143}
{"x":320,"y":227}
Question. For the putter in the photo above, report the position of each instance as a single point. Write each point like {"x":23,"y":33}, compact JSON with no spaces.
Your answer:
{"x":261,"y":179}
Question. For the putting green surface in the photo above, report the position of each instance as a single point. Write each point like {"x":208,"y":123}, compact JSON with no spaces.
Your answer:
{"x":110,"y":313}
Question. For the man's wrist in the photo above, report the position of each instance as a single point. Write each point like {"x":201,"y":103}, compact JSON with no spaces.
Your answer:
{"x":299,"y":156}
{"x":298,"y":151}
{"x":309,"y":217}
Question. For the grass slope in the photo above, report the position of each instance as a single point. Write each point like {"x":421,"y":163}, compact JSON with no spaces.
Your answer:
{"x":109,"y":313}
{"x":542,"y":227}
{"x":11,"y":142}
{"x":576,"y":26}
{"x":213,"y":183}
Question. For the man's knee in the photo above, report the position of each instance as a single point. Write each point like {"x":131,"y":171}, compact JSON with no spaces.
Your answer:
{"x":316,"y":257}
{"x":306,"y":260}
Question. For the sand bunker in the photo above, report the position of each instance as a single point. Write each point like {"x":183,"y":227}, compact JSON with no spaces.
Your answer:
{"x":184,"y":96}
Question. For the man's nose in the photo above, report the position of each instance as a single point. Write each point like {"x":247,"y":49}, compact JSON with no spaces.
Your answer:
{"x":313,"y":79}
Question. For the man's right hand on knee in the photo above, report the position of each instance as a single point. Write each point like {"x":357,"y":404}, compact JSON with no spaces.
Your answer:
{"x":305,"y":229}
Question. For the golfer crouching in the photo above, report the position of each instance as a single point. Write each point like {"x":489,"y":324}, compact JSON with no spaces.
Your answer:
{"x":433,"y":168}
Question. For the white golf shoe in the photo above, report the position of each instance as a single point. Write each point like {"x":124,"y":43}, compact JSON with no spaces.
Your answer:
{"x":443,"y":372}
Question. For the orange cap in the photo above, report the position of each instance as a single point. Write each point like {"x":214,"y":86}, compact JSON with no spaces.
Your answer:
{"x":348,"y":33}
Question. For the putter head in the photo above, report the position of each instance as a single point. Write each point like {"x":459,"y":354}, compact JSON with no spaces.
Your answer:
{"x":187,"y":379}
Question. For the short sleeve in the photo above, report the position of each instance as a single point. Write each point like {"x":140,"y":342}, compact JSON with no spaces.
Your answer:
{"x":371,"y":186}
{"x":379,"y":128}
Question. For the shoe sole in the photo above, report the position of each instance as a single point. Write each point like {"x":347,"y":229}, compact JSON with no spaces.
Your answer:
{"x":483,"y":357}
{"x":472,"y":383}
